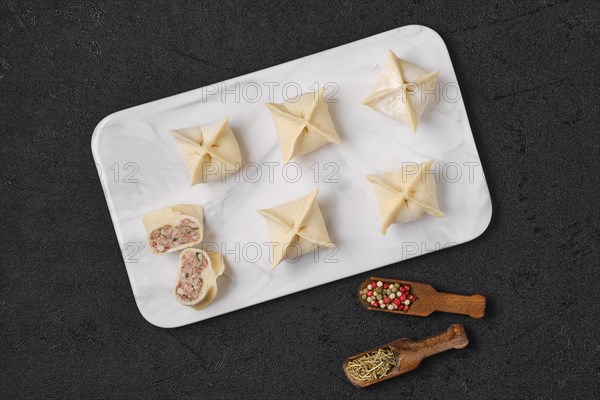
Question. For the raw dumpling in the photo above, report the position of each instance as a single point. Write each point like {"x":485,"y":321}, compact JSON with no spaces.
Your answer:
{"x":402,"y":91}
{"x":303,"y":124}
{"x":197,"y":277}
{"x":210,"y":152}
{"x":174,"y":228}
{"x":217,"y":264}
{"x":298,"y":224}
{"x":406,"y":194}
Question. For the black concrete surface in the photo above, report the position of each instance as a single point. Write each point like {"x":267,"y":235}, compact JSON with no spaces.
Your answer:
{"x":69,"y":326}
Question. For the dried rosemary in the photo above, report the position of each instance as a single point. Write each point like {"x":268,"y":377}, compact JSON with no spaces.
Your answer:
{"x":371,"y":366}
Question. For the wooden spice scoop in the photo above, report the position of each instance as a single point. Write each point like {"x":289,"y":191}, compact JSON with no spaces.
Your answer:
{"x":409,"y":353}
{"x":429,"y":300}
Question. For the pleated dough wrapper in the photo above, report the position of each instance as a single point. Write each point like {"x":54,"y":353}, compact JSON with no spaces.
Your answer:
{"x":209,"y":275}
{"x":303,"y":124}
{"x":210,"y":152}
{"x":171,"y":216}
{"x":298,"y":223}
{"x":402,"y":91}
{"x":406,"y":194}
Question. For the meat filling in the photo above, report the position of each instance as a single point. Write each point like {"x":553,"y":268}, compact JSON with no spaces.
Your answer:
{"x":168,"y":236}
{"x":190,"y":281}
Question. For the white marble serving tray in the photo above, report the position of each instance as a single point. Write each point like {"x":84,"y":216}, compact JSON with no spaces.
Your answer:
{"x":141,"y":169}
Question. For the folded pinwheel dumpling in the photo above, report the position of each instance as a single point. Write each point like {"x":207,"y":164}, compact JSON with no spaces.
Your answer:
{"x":406,"y":194}
{"x":402,"y":91}
{"x":303,"y":124}
{"x":210,"y":152}
{"x":197,"y":275}
{"x":174,"y":228}
{"x":297,"y":226}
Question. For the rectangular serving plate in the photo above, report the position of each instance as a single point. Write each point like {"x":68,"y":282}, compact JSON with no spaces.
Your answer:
{"x":141,"y":169}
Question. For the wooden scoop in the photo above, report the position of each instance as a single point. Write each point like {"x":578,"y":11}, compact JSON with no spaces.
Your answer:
{"x":429,"y":300}
{"x":409,"y":353}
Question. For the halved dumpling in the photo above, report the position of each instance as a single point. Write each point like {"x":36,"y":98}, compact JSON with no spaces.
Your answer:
{"x":197,"y":278}
{"x":174,"y":228}
{"x":217,"y":263}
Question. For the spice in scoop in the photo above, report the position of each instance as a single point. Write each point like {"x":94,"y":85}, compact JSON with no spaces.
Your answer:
{"x":388,"y":295}
{"x":371,"y":366}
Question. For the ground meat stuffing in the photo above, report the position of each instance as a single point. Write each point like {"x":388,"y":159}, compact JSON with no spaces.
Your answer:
{"x":169,"y":236}
{"x":190,"y":282}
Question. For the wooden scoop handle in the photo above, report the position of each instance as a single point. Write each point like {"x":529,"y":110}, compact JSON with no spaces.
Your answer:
{"x":454,"y":338}
{"x":473,"y":306}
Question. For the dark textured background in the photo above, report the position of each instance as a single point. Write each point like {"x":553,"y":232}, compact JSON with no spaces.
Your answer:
{"x":69,"y":326}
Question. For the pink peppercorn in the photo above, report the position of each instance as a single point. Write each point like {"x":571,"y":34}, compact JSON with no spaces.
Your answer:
{"x":375,"y":304}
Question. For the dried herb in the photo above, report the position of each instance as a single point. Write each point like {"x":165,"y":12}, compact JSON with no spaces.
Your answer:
{"x":371,"y":366}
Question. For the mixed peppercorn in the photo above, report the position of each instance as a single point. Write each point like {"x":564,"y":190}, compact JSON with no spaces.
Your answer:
{"x":388,"y":295}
